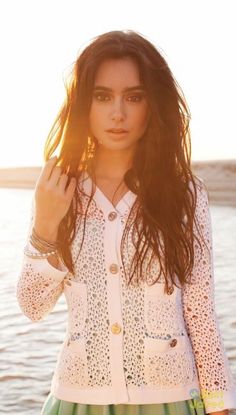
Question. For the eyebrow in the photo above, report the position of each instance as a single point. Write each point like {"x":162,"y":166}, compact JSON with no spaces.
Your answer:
{"x":131,"y":88}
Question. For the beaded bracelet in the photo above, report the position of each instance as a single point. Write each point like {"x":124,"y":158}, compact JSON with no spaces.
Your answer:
{"x":44,"y":248}
{"x":38,"y":255}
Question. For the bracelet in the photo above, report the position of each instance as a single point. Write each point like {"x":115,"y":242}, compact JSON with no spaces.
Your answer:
{"x":42,"y":245}
{"x":38,"y":255}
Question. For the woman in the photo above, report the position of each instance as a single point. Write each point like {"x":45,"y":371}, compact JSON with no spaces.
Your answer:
{"x":140,"y":339}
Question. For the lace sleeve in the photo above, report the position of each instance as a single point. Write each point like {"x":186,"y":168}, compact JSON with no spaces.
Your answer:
{"x":39,"y":284}
{"x":218,"y":388}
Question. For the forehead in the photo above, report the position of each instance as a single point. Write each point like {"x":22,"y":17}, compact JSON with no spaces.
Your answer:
{"x":117,"y":72}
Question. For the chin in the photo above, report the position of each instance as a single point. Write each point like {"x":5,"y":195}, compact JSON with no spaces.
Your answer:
{"x":118,"y":144}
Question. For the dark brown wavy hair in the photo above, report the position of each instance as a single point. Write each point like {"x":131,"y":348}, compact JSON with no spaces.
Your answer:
{"x":161,"y":171}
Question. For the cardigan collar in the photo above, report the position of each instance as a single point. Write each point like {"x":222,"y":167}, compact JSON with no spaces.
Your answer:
{"x":102,"y":201}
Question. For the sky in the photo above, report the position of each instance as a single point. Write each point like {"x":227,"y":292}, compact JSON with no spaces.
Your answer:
{"x":40,"y":40}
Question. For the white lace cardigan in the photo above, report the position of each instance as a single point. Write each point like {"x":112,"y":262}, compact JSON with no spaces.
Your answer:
{"x":136,"y":344}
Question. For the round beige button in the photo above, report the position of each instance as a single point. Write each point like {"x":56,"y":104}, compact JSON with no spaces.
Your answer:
{"x":113,"y":268}
{"x":173,"y":343}
{"x":116,"y":328}
{"x":112,"y":215}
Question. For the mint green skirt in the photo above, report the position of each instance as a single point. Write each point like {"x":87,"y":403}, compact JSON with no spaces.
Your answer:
{"x":54,"y":406}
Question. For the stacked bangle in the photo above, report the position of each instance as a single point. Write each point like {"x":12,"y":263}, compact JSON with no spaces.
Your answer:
{"x":41,"y":244}
{"x":44,"y":248}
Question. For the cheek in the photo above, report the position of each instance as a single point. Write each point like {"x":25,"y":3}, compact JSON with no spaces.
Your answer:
{"x":142,"y":117}
{"x":93,"y":113}
{"x":95,"y":117}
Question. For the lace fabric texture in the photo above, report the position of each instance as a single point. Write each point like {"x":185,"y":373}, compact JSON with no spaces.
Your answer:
{"x":168,"y":339}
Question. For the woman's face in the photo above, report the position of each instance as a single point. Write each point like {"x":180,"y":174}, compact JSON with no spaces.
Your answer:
{"x":116,"y":105}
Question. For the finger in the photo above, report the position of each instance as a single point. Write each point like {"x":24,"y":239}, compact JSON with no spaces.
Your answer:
{"x":56,"y":172}
{"x":47,"y":169}
{"x":71,"y":188}
{"x":62,"y":182}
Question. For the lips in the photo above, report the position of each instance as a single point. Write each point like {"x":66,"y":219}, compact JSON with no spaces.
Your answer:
{"x":117,"y":130}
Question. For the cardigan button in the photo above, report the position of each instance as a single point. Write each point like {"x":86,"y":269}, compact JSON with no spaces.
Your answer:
{"x":173,"y":343}
{"x":112,"y":215}
{"x":116,"y":328}
{"x":114,"y":268}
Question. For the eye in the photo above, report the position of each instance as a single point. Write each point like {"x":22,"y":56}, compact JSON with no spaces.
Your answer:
{"x":134,"y":98}
{"x":98,"y":94}
{"x":137,"y":98}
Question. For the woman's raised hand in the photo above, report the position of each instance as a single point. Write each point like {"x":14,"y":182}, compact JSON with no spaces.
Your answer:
{"x":52,"y":200}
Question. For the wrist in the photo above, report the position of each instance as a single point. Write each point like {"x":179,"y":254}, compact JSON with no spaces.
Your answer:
{"x":46,"y":232}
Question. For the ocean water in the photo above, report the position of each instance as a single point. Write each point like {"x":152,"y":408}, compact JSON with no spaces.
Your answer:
{"x":29,"y":350}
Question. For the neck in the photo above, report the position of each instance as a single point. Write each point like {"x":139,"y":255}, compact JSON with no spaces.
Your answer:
{"x":111,"y":165}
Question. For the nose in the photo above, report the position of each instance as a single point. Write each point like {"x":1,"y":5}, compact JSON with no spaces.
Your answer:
{"x":118,"y":111}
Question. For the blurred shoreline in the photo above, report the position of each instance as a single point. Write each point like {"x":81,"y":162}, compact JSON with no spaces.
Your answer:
{"x":219,"y":176}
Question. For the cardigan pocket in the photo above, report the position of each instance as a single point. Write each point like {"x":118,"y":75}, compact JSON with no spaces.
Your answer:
{"x":76,"y":298}
{"x":162,"y":310}
{"x":72,"y":365}
{"x":168,"y":363}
